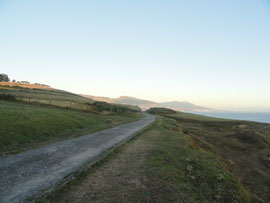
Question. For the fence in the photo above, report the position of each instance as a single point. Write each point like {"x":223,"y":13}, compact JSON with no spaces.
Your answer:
{"x":58,"y":103}
{"x":90,"y":107}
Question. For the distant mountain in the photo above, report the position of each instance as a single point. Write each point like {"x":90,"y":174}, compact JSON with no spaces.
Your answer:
{"x":104,"y":99}
{"x":184,"y":106}
{"x":145,"y":104}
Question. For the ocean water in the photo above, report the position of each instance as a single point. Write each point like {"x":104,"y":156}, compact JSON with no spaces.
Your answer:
{"x":250,"y":116}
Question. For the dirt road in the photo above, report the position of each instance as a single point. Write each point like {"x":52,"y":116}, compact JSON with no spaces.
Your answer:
{"x":26,"y":174}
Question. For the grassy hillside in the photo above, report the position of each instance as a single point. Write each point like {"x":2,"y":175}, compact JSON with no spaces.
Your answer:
{"x":49,"y":96}
{"x":40,"y":93}
{"x":25,"y":125}
{"x":243,"y":147}
{"x":161,"y":164}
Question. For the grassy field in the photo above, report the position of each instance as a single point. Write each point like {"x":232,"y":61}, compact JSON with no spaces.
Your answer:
{"x":54,"y":97}
{"x":161,"y":164}
{"x":23,"y":126}
{"x":23,"y":91}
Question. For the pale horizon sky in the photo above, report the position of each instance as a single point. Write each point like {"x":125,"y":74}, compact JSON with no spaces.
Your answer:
{"x":211,"y":53}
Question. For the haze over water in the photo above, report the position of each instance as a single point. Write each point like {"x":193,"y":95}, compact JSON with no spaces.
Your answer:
{"x":250,"y":116}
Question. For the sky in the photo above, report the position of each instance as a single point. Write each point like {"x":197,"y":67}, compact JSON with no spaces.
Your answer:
{"x":211,"y":53}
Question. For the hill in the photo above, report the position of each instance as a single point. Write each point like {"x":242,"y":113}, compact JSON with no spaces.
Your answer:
{"x":25,"y":85}
{"x":40,"y":93}
{"x":34,"y":93}
{"x":242,"y":146}
{"x":146,"y":104}
{"x":184,"y":106}
{"x":143,"y":104}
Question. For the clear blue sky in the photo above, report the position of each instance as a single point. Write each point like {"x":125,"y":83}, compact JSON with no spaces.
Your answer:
{"x":214,"y":53}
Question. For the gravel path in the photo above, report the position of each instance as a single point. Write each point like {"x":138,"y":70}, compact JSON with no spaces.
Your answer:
{"x":26,"y":174}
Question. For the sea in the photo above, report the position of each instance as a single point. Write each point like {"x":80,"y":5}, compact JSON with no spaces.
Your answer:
{"x":262,"y":117}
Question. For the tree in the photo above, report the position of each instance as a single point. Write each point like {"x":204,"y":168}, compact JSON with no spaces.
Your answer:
{"x":14,"y":80}
{"x":4,"y":78}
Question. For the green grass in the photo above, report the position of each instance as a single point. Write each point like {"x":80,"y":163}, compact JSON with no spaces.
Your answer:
{"x":27,"y":125}
{"x":176,"y":164}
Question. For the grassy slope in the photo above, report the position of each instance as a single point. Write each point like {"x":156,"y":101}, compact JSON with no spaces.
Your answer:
{"x":53,"y":97}
{"x":25,"y":125}
{"x":43,"y":94}
{"x":160,"y":165}
{"x":243,"y":146}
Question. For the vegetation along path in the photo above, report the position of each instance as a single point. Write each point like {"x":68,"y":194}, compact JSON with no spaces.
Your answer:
{"x":26,"y":174}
